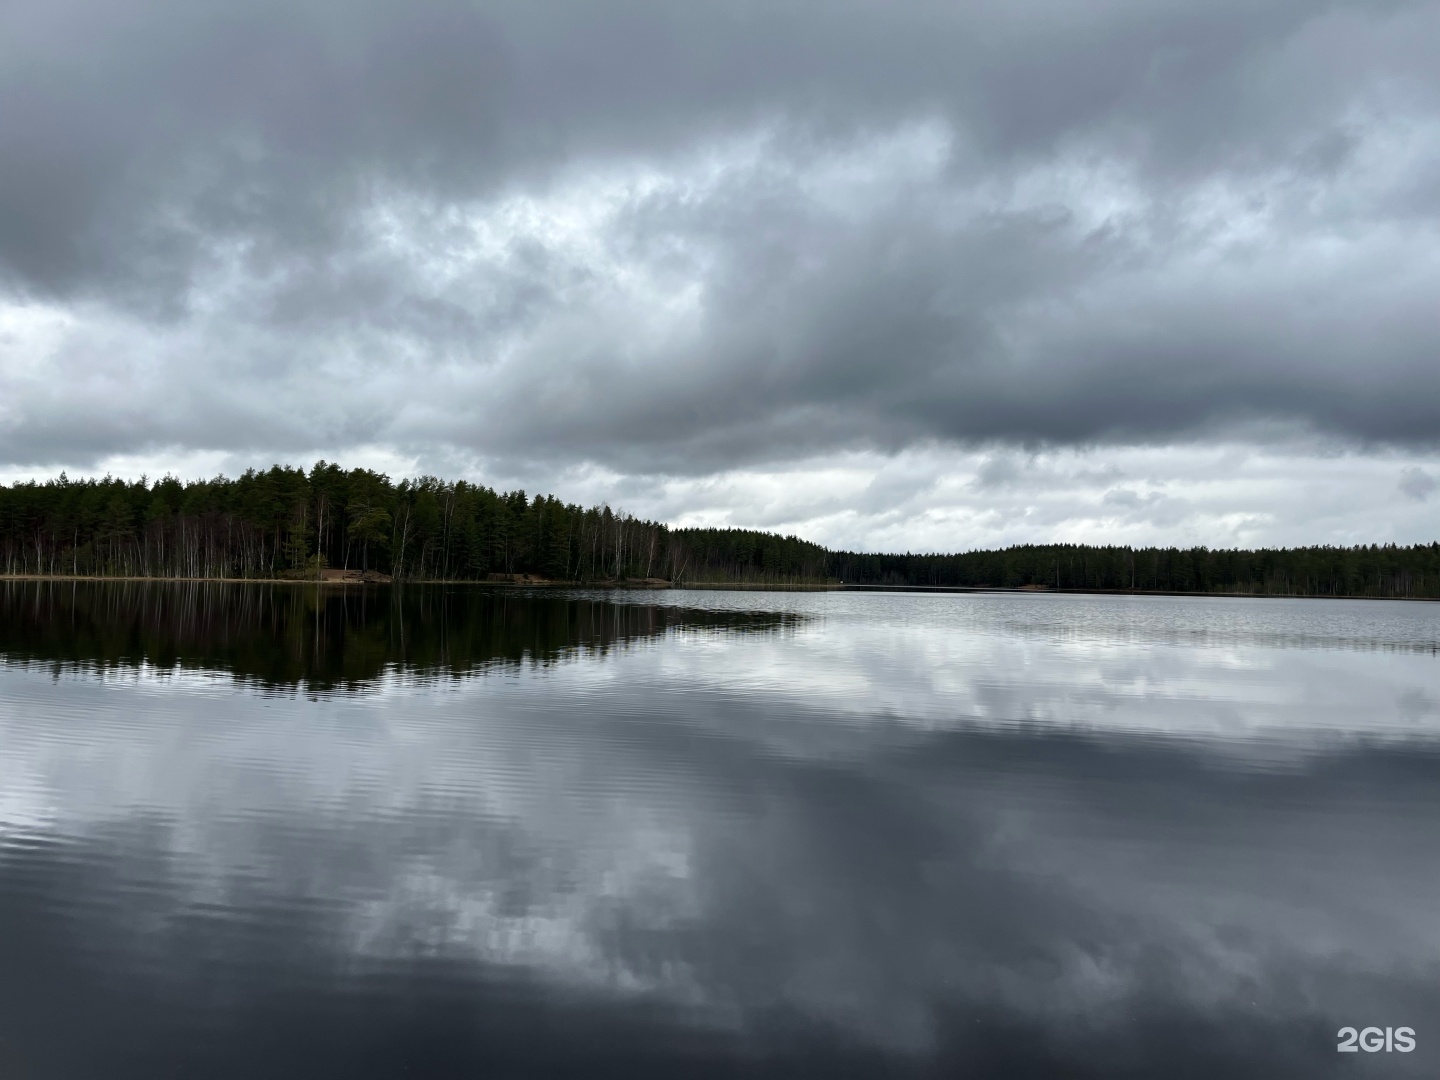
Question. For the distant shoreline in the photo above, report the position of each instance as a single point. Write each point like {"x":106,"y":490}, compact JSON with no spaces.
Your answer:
{"x":702,"y":586}
{"x":1125,"y":592}
{"x":328,"y":522}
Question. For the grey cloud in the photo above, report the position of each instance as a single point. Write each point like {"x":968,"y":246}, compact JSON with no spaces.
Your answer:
{"x":284,"y":209}
{"x":998,"y":470}
{"x":1416,"y":483}
{"x":1154,"y":508}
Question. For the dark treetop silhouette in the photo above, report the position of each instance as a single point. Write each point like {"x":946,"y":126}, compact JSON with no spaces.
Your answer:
{"x":288,"y":523}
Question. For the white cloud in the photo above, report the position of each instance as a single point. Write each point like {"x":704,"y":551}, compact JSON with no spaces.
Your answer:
{"x":937,"y":498}
{"x":967,"y":317}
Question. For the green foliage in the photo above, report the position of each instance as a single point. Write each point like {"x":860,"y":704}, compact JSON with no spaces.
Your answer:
{"x":288,"y":521}
{"x":1372,"y":570}
{"x":284,"y":521}
{"x":744,"y":555}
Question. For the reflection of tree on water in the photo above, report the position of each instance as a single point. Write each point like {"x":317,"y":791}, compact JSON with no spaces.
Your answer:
{"x":285,"y":635}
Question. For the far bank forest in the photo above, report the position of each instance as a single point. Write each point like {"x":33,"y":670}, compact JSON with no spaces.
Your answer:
{"x":285,"y":523}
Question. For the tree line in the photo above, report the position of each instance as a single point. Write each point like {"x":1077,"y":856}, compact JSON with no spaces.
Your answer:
{"x":1382,"y":570}
{"x":286,"y":522}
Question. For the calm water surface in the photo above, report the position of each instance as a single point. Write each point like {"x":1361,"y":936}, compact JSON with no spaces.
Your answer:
{"x":265,"y":832}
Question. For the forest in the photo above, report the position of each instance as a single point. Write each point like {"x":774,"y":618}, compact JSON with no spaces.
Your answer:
{"x":288,"y":523}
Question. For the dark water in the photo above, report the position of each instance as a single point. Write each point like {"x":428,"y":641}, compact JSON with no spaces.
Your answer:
{"x":253,"y":832}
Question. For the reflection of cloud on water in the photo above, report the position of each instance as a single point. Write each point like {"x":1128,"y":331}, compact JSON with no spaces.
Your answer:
{"x":879,"y":837}
{"x":468,"y":831}
{"x":1414,"y":704}
{"x":1243,"y":698}
{"x":1190,"y":622}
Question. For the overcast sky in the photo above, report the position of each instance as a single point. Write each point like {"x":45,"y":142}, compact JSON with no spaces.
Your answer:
{"x":902,"y":274}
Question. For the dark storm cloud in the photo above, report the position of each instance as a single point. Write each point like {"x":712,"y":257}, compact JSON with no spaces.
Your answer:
{"x":799,"y":228}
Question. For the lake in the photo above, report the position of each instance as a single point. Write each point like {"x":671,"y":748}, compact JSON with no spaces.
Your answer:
{"x":271,"y":831}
